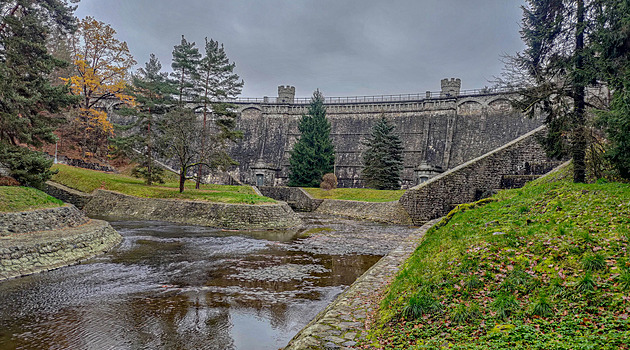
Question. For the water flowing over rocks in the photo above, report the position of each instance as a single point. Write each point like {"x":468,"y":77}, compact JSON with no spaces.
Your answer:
{"x":343,"y":323}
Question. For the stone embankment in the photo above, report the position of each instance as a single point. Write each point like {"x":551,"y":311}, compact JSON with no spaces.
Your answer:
{"x":46,"y":239}
{"x":343,"y":323}
{"x":387,"y":212}
{"x":300,"y":200}
{"x":221,"y":215}
{"x":67,"y":194}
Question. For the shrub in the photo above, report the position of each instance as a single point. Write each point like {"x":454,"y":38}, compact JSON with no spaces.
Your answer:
{"x":29,"y":168}
{"x":8,"y":181}
{"x":329,"y":182}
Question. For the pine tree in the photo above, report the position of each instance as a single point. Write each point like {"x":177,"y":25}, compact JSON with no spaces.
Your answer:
{"x":28,"y":101}
{"x":383,"y":158}
{"x":557,"y":65}
{"x":217,"y":82}
{"x":314,"y":154}
{"x":612,"y":40}
{"x":185,"y":69}
{"x":153,"y":93}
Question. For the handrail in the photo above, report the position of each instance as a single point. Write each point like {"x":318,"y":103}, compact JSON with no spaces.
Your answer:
{"x":378,"y":98}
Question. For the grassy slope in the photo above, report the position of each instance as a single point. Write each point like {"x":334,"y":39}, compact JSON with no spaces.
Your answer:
{"x":88,"y":180}
{"x":543,"y":267}
{"x":14,"y":198}
{"x":356,"y":194}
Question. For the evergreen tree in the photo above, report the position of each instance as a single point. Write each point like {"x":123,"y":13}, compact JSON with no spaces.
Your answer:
{"x":383,"y":158}
{"x":185,"y":69}
{"x":217,"y":82}
{"x":28,"y":101}
{"x":153,"y":93}
{"x":558,"y":65}
{"x":612,"y":41}
{"x":314,"y":154}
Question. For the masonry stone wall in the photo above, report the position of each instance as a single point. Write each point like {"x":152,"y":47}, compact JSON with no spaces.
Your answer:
{"x":221,"y":215}
{"x":387,"y":212}
{"x":29,"y":253}
{"x":45,"y":239}
{"x":469,"y":181}
{"x":296,"y":197}
{"x":77,"y":198}
{"x":444,"y":132}
{"x":40,"y":220}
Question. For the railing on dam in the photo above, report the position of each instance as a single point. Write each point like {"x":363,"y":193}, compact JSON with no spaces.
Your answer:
{"x":380,"y":98}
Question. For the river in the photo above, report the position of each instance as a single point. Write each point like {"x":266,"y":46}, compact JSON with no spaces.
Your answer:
{"x":170,"y":286}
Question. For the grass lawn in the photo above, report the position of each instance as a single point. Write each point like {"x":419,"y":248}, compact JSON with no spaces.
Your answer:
{"x":89,"y":180}
{"x":542,"y":267}
{"x":356,"y":194}
{"x":15,"y":198}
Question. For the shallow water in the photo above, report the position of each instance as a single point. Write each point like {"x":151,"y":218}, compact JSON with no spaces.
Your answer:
{"x":187,"y":287}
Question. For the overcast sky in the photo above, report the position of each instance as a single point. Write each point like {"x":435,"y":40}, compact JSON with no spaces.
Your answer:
{"x":342,"y":47}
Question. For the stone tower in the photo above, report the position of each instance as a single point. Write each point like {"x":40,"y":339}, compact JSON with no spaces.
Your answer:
{"x":286,"y":94}
{"x":450,"y":88}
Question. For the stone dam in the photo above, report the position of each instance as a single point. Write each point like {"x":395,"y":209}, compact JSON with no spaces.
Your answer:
{"x":439,"y":130}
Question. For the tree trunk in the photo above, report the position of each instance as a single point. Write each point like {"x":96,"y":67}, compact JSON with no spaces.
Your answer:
{"x":203,"y":132}
{"x":182,"y":179}
{"x":149,"y":158}
{"x":578,"y":142}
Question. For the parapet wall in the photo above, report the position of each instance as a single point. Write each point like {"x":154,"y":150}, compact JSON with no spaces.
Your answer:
{"x":470,"y":180}
{"x":221,"y":215}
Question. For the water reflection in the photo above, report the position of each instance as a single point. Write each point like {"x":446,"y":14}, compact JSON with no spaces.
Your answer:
{"x":184,"y":287}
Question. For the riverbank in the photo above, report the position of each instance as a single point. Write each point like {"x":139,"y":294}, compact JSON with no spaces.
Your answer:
{"x":542,"y":267}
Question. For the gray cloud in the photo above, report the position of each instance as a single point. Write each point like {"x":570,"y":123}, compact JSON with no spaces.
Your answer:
{"x":342,"y":47}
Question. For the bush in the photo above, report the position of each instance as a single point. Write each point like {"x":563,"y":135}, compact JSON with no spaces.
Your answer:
{"x":329,"y":182}
{"x":29,"y":168}
{"x":8,"y":181}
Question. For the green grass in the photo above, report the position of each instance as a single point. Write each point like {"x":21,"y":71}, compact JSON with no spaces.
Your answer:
{"x":88,"y":180}
{"x":554,"y":276}
{"x":14,"y":198}
{"x":357,"y":194}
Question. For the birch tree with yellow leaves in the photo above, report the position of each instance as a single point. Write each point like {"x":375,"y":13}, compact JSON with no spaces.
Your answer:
{"x":102,"y":64}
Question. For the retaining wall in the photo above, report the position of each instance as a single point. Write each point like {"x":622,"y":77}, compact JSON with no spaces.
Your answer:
{"x":67,"y":194}
{"x":46,"y":239}
{"x":387,"y":212}
{"x":467,"y":182}
{"x":40,"y":220}
{"x":296,"y":197}
{"x":221,"y":215}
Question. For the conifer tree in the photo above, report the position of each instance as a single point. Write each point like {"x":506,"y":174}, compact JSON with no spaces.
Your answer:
{"x":28,"y":101}
{"x":153,"y":91}
{"x":557,"y":66}
{"x":314,"y":154}
{"x":383,"y":158}
{"x":612,"y":40}
{"x":217,"y":83}
{"x":185,"y":69}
